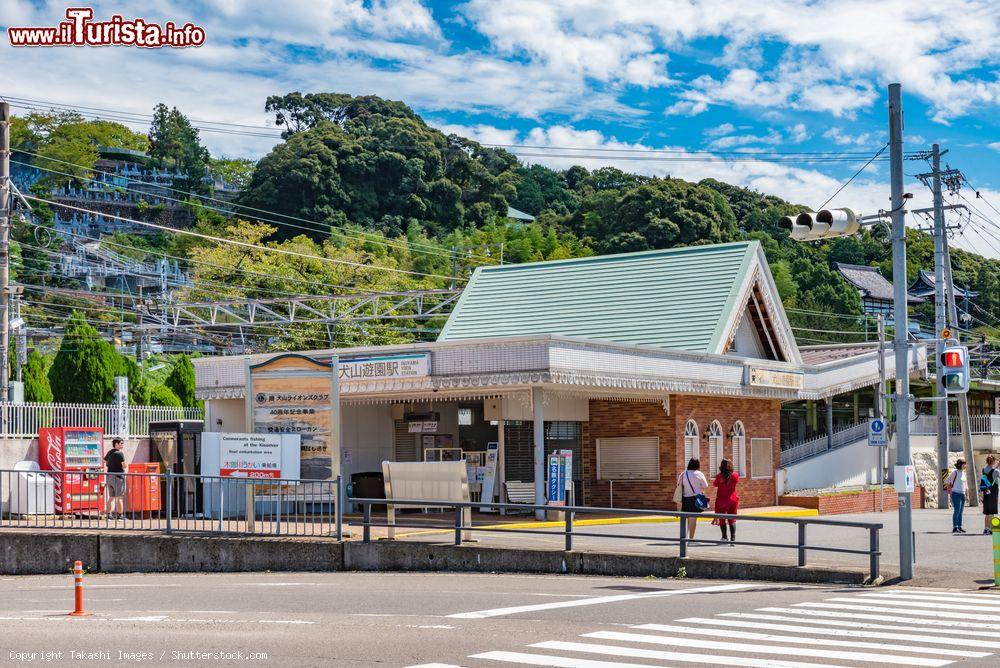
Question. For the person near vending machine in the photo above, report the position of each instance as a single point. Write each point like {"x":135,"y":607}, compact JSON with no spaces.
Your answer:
{"x":989,"y":485}
{"x":115,"y":462}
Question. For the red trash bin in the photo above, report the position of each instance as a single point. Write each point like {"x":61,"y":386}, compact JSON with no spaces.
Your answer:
{"x":142,"y":492}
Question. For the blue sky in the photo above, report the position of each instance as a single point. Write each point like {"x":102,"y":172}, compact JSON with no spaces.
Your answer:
{"x":605,"y":76}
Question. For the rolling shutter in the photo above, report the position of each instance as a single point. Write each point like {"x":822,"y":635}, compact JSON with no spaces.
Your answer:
{"x":636,"y":458}
{"x":404,"y":444}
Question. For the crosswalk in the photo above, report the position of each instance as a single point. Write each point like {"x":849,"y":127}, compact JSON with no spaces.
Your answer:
{"x":901,"y":627}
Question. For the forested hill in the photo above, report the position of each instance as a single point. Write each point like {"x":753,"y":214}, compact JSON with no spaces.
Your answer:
{"x":375,"y":163}
{"x":368,"y":181}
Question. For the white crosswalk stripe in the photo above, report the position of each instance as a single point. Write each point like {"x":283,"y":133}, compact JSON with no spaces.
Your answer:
{"x":911,"y":627}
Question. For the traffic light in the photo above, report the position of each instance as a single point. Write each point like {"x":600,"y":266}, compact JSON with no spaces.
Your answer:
{"x":955,"y":369}
{"x":824,"y":224}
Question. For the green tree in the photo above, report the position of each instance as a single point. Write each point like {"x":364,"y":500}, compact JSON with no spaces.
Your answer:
{"x":174,"y":144}
{"x":85,"y":366}
{"x":161,"y":395}
{"x":36,"y":379}
{"x":181,"y":380}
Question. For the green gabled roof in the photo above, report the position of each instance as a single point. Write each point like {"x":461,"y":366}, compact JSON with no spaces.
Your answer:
{"x":676,"y":298}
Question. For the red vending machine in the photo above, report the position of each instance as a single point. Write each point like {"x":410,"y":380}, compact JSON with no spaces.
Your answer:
{"x":80,"y":452}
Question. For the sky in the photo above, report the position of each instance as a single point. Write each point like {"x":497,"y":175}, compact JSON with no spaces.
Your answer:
{"x":612,"y":80}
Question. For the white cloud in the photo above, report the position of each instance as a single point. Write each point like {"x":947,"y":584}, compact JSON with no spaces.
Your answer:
{"x":734,"y":141}
{"x":866,"y":139}
{"x":995,"y":145}
{"x":798,"y":133}
{"x":719,"y":130}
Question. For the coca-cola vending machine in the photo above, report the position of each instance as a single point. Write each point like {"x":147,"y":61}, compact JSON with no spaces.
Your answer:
{"x":80,"y":452}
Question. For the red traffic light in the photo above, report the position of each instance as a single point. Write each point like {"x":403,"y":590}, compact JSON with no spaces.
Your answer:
{"x":952,"y":359}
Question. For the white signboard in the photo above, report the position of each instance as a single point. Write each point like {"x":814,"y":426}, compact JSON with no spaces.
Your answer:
{"x":878,"y":435}
{"x":759,"y":377}
{"x":422,"y":427}
{"x":906,"y":479}
{"x":250,"y":456}
{"x":390,"y":366}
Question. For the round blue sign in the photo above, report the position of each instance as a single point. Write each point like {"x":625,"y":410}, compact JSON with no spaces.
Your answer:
{"x":877,"y":426}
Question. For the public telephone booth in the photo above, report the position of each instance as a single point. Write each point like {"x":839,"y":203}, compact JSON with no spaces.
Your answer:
{"x":176,"y":445}
{"x":79,"y":453}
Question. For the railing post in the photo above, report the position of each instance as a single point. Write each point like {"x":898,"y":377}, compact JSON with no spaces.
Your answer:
{"x":366,"y":519}
{"x":683,"y":541}
{"x":802,"y":543}
{"x":569,"y":530}
{"x":338,"y":509}
{"x":170,"y":498}
{"x":458,"y":525}
{"x":873,"y":557}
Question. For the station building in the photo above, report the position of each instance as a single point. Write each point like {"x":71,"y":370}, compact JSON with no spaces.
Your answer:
{"x":635,"y":362}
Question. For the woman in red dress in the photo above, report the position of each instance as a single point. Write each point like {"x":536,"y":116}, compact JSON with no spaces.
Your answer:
{"x":726,"y":500}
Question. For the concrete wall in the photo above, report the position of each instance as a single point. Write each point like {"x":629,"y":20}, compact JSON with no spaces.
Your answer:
{"x":232,"y":412}
{"x":855,"y":464}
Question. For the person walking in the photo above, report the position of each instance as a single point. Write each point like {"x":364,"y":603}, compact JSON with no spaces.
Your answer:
{"x":693,"y":488}
{"x":957,"y":487}
{"x":727,"y":502}
{"x":989,"y":485}
{"x":114,"y":460}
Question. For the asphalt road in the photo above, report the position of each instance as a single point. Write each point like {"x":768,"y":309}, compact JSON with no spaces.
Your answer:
{"x":482,"y":620}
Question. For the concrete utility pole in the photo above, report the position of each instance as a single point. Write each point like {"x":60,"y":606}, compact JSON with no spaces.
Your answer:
{"x":940,"y":320}
{"x":965,"y":422}
{"x":880,"y":406}
{"x":900,"y":323}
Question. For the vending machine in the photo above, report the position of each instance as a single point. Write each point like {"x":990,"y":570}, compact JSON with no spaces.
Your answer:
{"x":79,"y":452}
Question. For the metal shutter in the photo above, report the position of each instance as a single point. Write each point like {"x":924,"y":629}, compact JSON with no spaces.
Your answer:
{"x":761,"y":459}
{"x":404,"y":444}
{"x":636,"y":458}
{"x":519,"y":451}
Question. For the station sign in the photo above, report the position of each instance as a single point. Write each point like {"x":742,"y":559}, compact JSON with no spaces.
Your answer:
{"x":385,"y":367}
{"x":761,"y":377}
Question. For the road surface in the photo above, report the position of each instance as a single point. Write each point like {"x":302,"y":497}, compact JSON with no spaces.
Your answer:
{"x":483,"y":620}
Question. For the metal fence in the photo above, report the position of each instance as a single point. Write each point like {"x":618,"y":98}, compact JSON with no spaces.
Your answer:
{"x":569,"y":531}
{"x":25,"y":419}
{"x":844,"y":435}
{"x":169,"y":503}
{"x":981,"y":424}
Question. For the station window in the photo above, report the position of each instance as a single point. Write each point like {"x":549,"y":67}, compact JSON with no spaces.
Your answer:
{"x":761,"y":458}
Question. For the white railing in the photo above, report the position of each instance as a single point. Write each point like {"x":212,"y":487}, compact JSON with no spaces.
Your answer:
{"x":926,"y":425}
{"x":843,"y":435}
{"x":24,"y":420}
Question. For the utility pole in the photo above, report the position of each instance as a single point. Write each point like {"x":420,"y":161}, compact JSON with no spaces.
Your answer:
{"x":940,"y":321}
{"x":880,"y":405}
{"x":900,"y":326}
{"x":5,"y":215}
{"x":965,"y":422}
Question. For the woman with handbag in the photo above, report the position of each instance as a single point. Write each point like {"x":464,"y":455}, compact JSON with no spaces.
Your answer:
{"x":727,"y":501}
{"x":692,"y":486}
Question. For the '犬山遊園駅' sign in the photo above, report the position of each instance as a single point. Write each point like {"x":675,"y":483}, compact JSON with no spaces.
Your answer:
{"x":760,"y":377}
{"x":416,"y":365}
{"x":295,"y":394}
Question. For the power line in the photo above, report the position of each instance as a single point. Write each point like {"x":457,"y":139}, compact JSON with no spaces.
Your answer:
{"x":855,"y":175}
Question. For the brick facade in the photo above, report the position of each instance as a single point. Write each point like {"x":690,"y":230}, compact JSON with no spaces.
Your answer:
{"x":608,"y":419}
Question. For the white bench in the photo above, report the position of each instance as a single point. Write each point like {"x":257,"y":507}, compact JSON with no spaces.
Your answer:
{"x":520,"y":492}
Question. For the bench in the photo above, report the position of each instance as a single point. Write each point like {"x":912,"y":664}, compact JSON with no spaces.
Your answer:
{"x":520,"y":492}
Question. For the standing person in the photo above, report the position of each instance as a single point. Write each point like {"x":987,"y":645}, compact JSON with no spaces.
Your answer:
{"x":727,"y":502}
{"x":957,"y":487}
{"x":115,"y":462}
{"x":989,"y":484}
{"x":693,"y":484}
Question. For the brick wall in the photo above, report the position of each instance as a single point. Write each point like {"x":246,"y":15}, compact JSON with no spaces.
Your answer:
{"x":613,"y":418}
{"x":862,"y":501}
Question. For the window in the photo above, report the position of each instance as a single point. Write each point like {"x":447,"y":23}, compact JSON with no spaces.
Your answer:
{"x":690,"y":441}
{"x":635,"y":458}
{"x":739,"y":449}
{"x":715,"y":445}
{"x":761,"y":458}
{"x":464,"y":417}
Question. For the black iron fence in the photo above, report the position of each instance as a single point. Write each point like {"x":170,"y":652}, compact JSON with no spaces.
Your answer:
{"x":169,"y":503}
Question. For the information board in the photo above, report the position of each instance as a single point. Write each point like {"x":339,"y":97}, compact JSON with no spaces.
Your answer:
{"x":295,"y":394}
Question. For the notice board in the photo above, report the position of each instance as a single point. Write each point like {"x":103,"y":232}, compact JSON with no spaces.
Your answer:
{"x":296,"y":394}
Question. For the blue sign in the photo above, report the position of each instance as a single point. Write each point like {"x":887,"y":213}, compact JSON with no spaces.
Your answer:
{"x":557,"y":485}
{"x":877,"y":435}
